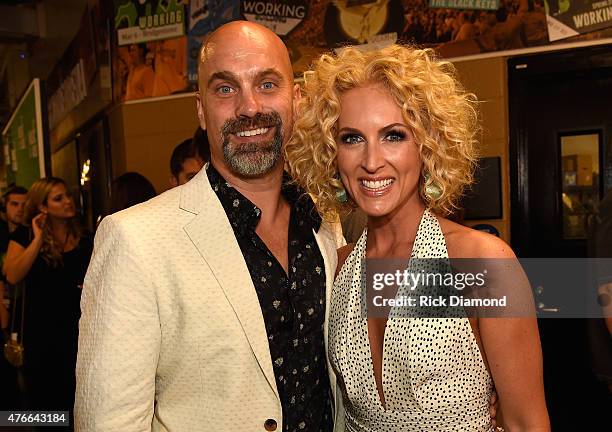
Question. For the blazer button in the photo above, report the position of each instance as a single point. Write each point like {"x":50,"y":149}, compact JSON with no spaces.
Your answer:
{"x":270,"y":425}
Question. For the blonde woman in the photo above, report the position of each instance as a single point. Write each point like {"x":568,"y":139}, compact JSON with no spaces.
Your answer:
{"x":393,"y":133}
{"x":50,"y":254}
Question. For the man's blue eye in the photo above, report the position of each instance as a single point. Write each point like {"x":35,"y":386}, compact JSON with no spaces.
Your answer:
{"x":225,"y":89}
{"x":268,"y":85}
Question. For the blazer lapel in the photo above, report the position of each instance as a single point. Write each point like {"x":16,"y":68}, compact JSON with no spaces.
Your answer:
{"x":328,"y":242}
{"x":213,"y":237}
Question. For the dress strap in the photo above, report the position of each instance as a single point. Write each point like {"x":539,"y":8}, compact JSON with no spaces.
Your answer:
{"x":429,"y":241}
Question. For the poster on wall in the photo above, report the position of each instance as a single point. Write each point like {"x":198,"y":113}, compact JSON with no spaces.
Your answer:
{"x":151,"y":60}
{"x":358,"y":23}
{"x":280,"y":16}
{"x":567,"y":18}
{"x":24,"y":139}
{"x":204,"y":17}
{"x":138,"y":21}
{"x":151,"y":69}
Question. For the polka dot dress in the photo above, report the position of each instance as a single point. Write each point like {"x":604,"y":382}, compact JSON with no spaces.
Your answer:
{"x":433,"y":374}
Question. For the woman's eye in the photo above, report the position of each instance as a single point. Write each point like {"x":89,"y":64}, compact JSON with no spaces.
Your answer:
{"x":350,"y":139}
{"x":396,"y":136}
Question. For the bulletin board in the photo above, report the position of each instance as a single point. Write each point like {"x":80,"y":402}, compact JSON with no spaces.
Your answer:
{"x":25,"y":139}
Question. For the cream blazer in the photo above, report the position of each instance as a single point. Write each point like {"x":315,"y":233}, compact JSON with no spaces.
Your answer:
{"x":172,"y":336}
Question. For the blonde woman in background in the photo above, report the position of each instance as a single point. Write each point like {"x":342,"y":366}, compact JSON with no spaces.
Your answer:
{"x":51,"y":254}
{"x":393,"y":133}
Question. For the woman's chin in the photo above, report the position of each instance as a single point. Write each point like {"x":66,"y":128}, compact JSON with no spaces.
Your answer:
{"x":375,"y":211}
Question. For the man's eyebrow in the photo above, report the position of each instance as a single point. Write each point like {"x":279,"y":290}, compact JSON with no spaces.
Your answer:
{"x":222,"y":76}
{"x":270,"y":71}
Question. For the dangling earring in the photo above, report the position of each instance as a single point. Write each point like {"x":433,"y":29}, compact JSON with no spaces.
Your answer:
{"x":341,"y":195}
{"x":432,"y":191}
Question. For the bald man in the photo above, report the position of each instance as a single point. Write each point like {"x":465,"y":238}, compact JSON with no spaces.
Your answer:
{"x":204,"y":308}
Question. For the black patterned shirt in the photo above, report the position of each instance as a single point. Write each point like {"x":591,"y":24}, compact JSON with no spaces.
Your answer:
{"x":293,"y":305}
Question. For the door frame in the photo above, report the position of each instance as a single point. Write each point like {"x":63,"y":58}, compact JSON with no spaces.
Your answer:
{"x":593,"y":61}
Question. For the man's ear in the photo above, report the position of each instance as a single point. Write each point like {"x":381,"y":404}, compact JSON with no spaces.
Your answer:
{"x":297,"y":96}
{"x":173,"y":181}
{"x":200,"y":109}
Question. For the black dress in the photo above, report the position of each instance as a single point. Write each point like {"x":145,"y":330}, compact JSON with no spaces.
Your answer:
{"x":52,"y":312}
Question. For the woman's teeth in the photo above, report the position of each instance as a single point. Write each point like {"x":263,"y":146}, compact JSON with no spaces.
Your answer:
{"x":377,"y":184}
{"x":252,"y":132}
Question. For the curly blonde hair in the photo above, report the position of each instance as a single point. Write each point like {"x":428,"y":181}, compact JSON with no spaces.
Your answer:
{"x":441,"y":115}
{"x":38,"y":195}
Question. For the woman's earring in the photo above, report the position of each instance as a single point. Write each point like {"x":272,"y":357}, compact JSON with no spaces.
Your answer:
{"x":341,"y":195}
{"x":432,"y":190}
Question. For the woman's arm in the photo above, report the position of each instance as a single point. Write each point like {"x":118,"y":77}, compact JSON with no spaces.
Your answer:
{"x":512,"y":348}
{"x":19,"y":260}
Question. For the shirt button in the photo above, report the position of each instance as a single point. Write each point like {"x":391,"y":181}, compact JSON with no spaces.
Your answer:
{"x":270,"y":425}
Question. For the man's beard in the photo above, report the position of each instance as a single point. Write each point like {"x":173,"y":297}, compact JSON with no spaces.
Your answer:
{"x":255,"y":158}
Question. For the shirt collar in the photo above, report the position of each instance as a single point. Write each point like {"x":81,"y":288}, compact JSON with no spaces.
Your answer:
{"x":244,"y":216}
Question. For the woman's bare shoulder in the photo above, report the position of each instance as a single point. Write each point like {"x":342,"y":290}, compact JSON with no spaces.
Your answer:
{"x":465,"y":242}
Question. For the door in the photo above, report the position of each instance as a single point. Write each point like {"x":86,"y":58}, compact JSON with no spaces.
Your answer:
{"x":95,"y":169}
{"x":561,"y":168}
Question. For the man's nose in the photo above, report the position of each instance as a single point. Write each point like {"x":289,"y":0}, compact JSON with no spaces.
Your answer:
{"x":249,"y":104}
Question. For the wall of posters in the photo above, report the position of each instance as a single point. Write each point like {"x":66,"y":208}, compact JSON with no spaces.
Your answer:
{"x":24,"y":139}
{"x":454,"y":28}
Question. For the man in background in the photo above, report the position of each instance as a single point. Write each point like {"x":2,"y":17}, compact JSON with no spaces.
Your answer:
{"x":188,"y":158}
{"x":14,"y":201}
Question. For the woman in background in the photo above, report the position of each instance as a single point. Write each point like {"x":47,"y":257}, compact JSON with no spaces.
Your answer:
{"x":393,"y":133}
{"x":51,"y":254}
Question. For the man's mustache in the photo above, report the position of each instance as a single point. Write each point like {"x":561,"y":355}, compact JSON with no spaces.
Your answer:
{"x":259,"y":120}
